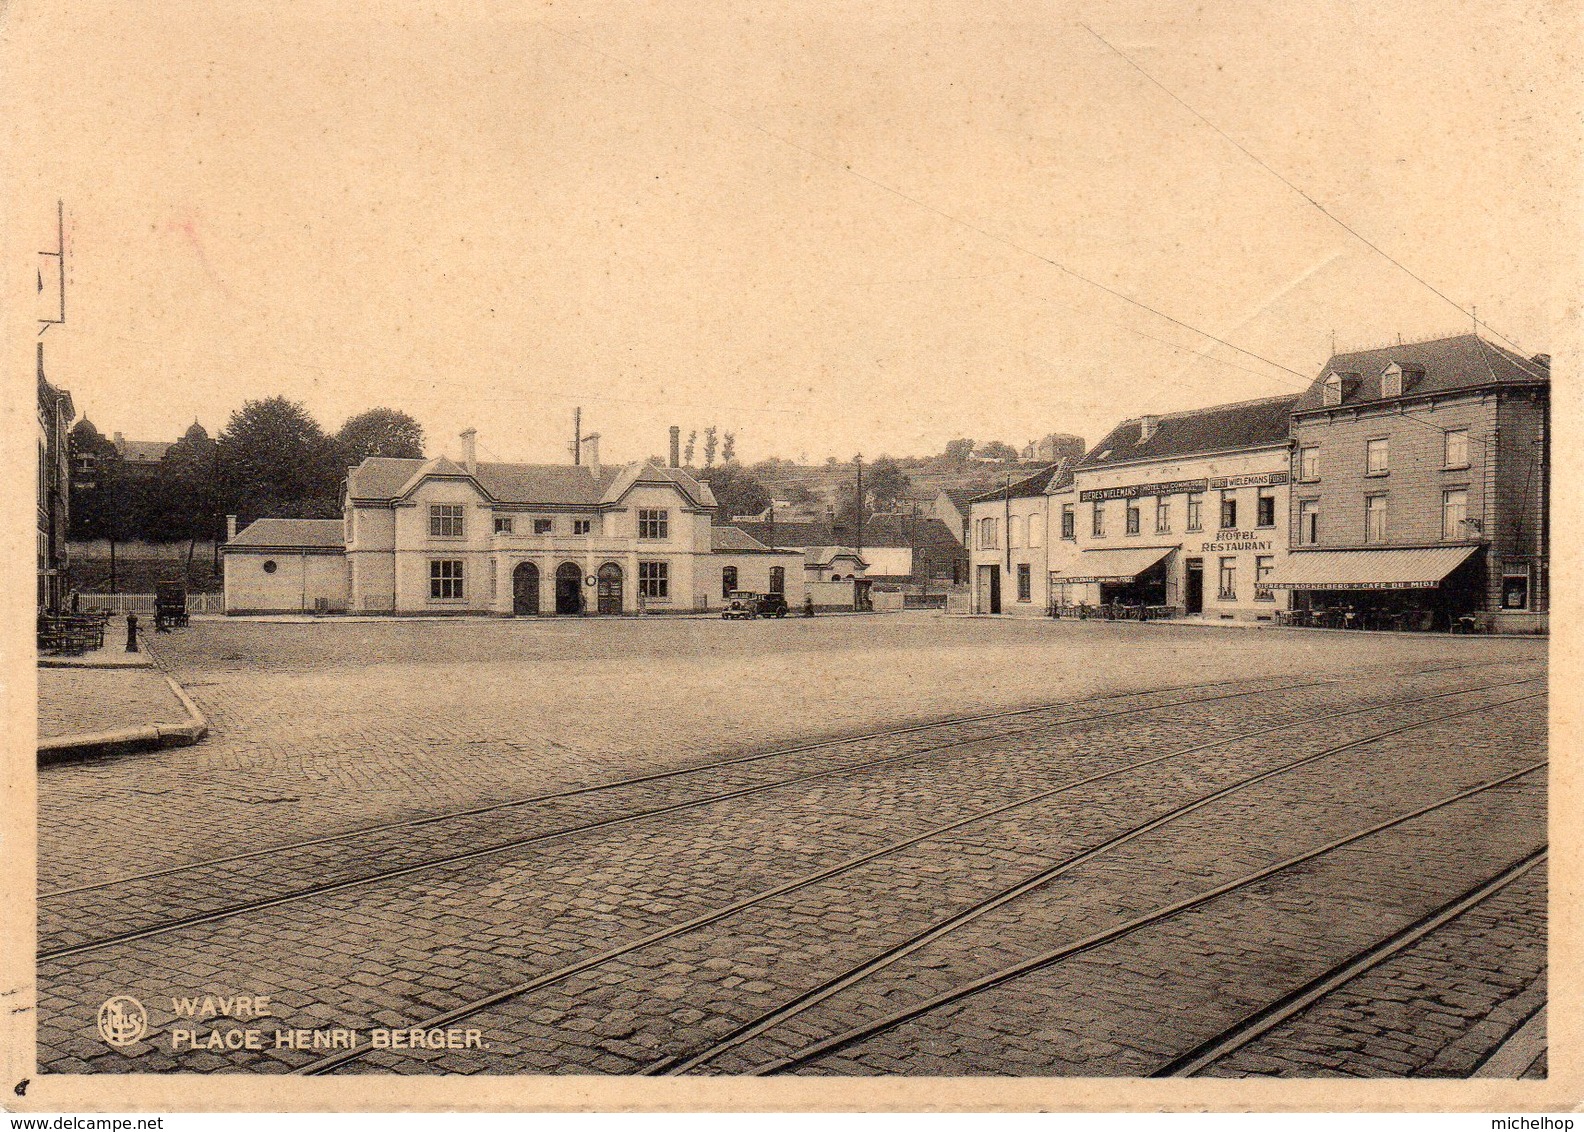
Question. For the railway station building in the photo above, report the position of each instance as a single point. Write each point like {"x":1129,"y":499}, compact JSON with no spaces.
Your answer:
{"x":1183,"y":515}
{"x":1420,"y":493}
{"x":443,"y":537}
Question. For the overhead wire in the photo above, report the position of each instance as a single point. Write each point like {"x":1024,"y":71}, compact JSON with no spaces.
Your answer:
{"x":1335,"y":219}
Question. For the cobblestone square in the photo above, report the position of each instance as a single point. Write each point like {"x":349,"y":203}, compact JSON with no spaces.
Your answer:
{"x":686,"y":845}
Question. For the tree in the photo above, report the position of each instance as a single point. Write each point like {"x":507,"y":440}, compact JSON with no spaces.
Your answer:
{"x":737,"y":491}
{"x":887,"y":483}
{"x":182,"y":498}
{"x":687,"y":455}
{"x":799,"y":492}
{"x":728,"y":448}
{"x":710,"y":444}
{"x":997,"y":450}
{"x":275,"y":461}
{"x":379,"y":432}
{"x":959,"y":451}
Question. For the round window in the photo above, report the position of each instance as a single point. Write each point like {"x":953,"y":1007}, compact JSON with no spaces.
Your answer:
{"x":269,"y":566}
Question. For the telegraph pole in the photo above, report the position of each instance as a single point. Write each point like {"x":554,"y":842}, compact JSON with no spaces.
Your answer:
{"x":577,"y":435}
{"x":859,"y":520}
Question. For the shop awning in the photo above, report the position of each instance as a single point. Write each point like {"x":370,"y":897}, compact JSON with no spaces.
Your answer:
{"x":1407,"y":568}
{"x":1114,"y":566}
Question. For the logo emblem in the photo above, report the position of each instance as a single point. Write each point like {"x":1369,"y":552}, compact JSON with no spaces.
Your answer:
{"x":122,"y":1021}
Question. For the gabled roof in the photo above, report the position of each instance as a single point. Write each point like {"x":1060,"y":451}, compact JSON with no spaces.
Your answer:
{"x":960,"y":497}
{"x":389,"y":478}
{"x":1042,"y":482}
{"x":878,"y":531}
{"x":825,"y":555}
{"x":310,"y":534}
{"x":1465,"y":361}
{"x":1220,"y":428}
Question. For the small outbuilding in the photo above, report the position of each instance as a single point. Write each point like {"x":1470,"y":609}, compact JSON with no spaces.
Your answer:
{"x":287,"y":566}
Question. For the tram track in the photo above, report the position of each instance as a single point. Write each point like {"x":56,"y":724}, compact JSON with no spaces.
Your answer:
{"x":406,"y":824}
{"x":768,"y":1020}
{"x":1049,"y":959}
{"x":1250,"y":1028}
{"x":239,"y":908}
{"x":526,"y":987}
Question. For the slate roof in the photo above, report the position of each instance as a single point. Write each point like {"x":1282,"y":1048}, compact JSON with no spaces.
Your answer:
{"x":386,"y":478}
{"x":878,"y":531}
{"x":1464,"y":361}
{"x":1220,"y":428}
{"x":307,"y":534}
{"x":143,"y":451}
{"x":730,"y":540}
{"x":1042,"y":482}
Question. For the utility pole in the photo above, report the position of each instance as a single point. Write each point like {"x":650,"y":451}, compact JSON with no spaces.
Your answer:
{"x":1006,"y":504}
{"x":577,"y":435}
{"x":859,"y":515}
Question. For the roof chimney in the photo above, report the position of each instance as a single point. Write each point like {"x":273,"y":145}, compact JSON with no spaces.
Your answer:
{"x":120,"y":443}
{"x":1147,"y":427}
{"x":470,"y":451}
{"x":676,"y":447}
{"x":230,"y":528}
{"x":591,"y":447}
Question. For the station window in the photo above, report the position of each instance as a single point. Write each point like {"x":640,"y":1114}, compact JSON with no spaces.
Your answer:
{"x":445,"y":579}
{"x":503,"y":524}
{"x":1132,"y":516}
{"x":654,"y":580}
{"x":1097,"y":520}
{"x":1069,"y":523}
{"x":1195,"y":511}
{"x":1455,"y":448}
{"x":445,"y":520}
{"x":1515,"y":588}
{"x":544,"y":526}
{"x":582,"y":526}
{"x":728,"y":580}
{"x":654,"y":524}
{"x":1024,"y":582}
{"x":1228,"y":510}
{"x":1162,"y":514}
{"x":1309,"y":464}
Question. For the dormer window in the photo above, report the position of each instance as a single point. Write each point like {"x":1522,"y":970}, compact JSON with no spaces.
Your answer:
{"x":1333,"y":391}
{"x":1396,"y":379}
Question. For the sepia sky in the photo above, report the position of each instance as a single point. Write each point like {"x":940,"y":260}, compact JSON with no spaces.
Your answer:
{"x":827,"y":227}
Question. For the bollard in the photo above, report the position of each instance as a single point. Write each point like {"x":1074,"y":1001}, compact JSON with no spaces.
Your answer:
{"x":132,"y":645}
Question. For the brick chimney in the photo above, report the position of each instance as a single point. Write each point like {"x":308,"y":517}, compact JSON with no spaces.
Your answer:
{"x":230,"y":528}
{"x":1147,"y":427}
{"x":470,"y":450}
{"x":676,"y":447}
{"x":591,"y":448}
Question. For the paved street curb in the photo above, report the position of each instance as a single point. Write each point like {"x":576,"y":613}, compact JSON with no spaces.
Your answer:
{"x":128,"y":740}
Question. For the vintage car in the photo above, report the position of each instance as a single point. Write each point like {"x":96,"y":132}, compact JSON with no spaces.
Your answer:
{"x":747,"y":604}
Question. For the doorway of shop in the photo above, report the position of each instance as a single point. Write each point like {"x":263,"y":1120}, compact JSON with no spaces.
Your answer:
{"x":1193,"y":586}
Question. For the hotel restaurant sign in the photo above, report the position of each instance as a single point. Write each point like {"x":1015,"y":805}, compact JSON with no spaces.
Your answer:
{"x":1179,"y":487}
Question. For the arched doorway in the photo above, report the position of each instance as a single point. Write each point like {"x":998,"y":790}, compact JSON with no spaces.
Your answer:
{"x":569,"y":588}
{"x":525,"y":590}
{"x":610,"y":588}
